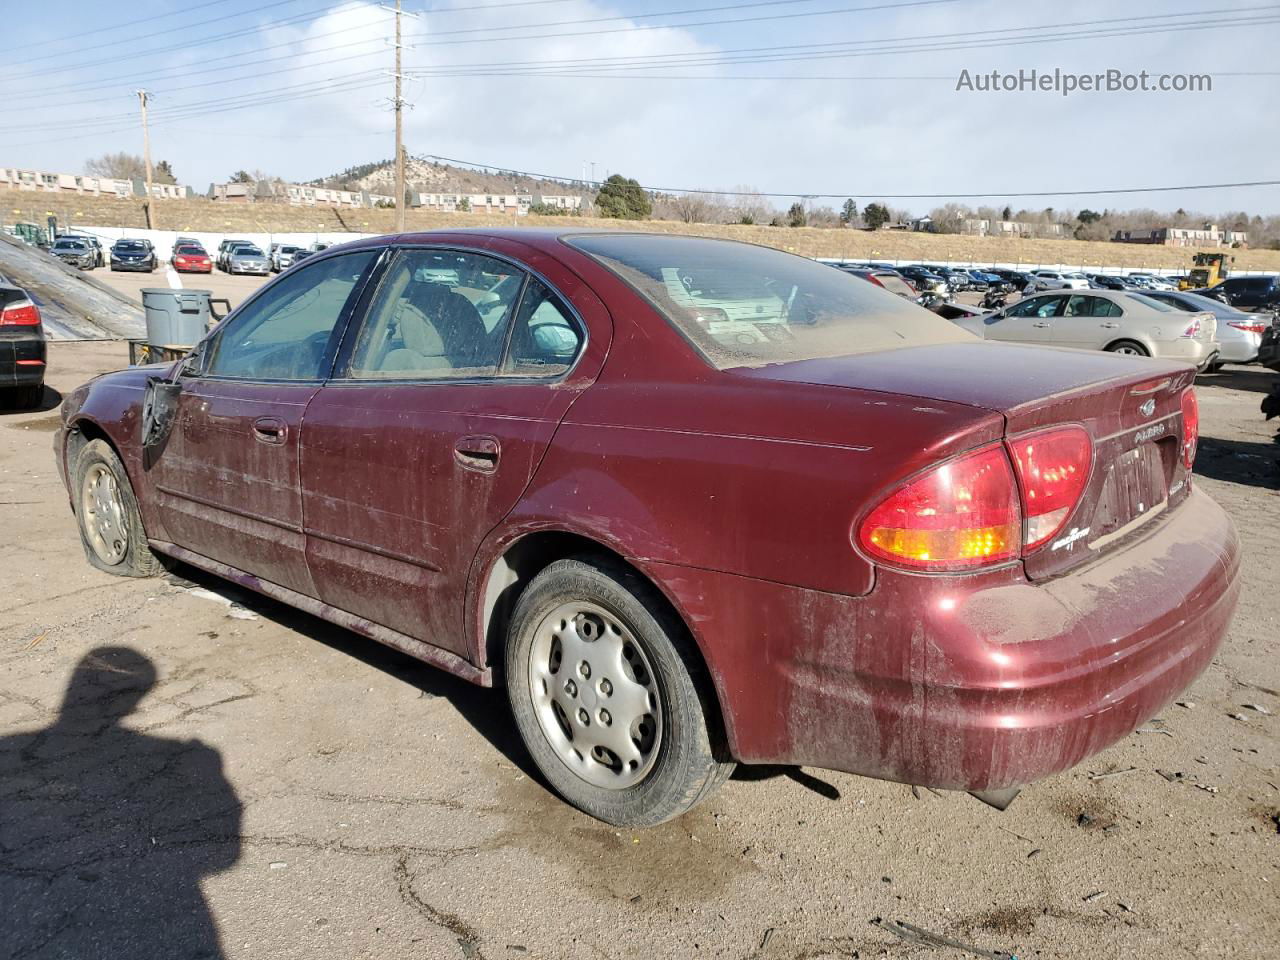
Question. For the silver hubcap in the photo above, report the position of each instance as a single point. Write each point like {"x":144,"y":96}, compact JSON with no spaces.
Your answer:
{"x":595,"y":695}
{"x":104,"y":514}
{"x":1130,"y":351}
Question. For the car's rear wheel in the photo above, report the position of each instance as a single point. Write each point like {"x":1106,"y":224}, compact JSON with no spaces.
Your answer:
{"x":107,"y":511}
{"x":609,"y":696}
{"x":1129,"y":348}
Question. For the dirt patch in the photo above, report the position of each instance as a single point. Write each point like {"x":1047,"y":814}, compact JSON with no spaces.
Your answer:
{"x":1007,"y":921}
{"x":1088,"y":812}
{"x":674,"y":864}
{"x":1269,"y":817}
{"x":43,"y":425}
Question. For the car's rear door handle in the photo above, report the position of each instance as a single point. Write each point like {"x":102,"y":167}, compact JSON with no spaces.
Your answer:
{"x":1108,"y":326}
{"x":1042,"y":325}
{"x":479,"y":454}
{"x":270,"y":430}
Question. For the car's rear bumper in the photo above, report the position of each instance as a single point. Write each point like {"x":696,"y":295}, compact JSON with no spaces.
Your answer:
{"x":22,"y":360}
{"x":973,"y":683}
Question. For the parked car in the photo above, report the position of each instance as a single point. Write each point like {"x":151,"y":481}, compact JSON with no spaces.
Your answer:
{"x":223,"y":249}
{"x":282,"y":255}
{"x":247,"y":258}
{"x":75,"y":252}
{"x":99,"y":257}
{"x":680,"y":545}
{"x":956,"y":279}
{"x":1152,"y":281}
{"x":1014,"y":279}
{"x":133,"y":255}
{"x":924,"y":281}
{"x":1057,"y":280}
{"x":1239,"y":334}
{"x":23,"y":354}
{"x":191,"y":259}
{"x":1117,"y":322}
{"x":190,"y":242}
{"x":890,"y":280}
{"x":301,"y":254}
{"x":1246,"y":293}
{"x":1106,"y":281}
{"x":319,"y":247}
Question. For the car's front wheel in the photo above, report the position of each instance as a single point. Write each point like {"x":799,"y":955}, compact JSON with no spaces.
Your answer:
{"x":609,"y":695}
{"x":107,"y":511}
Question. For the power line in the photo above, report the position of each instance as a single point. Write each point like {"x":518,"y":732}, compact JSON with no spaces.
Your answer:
{"x":1009,"y":195}
{"x":806,"y":50}
{"x":122,"y":25}
{"x":682,"y":26}
{"x":145,"y":36}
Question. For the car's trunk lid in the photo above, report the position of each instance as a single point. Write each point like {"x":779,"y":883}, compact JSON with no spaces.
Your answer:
{"x":1130,"y":406}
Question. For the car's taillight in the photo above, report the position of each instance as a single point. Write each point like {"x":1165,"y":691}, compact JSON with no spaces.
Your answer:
{"x":1190,"y":426}
{"x":1248,"y":327}
{"x":23,"y":315}
{"x":958,"y":515}
{"x":1053,"y":468}
{"x":1193,"y":329}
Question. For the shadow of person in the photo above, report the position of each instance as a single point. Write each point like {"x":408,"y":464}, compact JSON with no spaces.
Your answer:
{"x":106,"y":832}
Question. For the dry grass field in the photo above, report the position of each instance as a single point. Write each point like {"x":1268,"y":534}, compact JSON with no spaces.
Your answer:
{"x":199,"y":215}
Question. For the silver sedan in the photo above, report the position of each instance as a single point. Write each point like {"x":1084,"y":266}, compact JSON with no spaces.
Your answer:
{"x":1239,"y":333}
{"x":247,"y":259}
{"x":1118,"y":321}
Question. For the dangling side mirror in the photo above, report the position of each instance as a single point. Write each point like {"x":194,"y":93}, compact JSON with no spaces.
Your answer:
{"x":159,"y":409}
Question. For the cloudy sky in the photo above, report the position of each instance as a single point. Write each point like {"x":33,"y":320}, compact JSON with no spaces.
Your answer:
{"x":848,"y":97}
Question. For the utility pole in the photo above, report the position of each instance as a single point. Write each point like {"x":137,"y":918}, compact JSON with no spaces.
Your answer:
{"x":143,"y":97}
{"x":400,"y":200}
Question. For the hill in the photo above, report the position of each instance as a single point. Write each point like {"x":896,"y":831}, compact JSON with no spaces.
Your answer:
{"x":433,"y":177}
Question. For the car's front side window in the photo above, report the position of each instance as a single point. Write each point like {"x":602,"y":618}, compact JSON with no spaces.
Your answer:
{"x":284,"y":333}
{"x":438,"y":315}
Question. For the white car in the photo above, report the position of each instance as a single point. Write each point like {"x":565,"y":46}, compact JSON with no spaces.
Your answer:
{"x":1152,"y":282}
{"x":1057,"y":280}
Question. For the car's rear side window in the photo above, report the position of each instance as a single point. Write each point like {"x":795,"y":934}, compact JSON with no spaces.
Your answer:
{"x":747,"y":306}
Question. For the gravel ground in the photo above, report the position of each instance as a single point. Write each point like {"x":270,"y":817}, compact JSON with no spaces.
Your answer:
{"x":304,"y":792}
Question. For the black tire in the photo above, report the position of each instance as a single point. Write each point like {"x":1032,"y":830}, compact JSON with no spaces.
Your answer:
{"x":689,"y":761}
{"x":136,"y":559}
{"x":1132,"y":347}
{"x":28,"y":398}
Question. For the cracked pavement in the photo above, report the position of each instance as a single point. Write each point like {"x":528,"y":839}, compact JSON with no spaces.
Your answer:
{"x":175,"y":778}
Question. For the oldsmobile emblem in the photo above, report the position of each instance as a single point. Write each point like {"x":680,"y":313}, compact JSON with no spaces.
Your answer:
{"x":1148,"y":408}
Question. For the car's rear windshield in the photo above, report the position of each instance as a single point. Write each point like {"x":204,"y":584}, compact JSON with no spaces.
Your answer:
{"x":746,"y":306}
{"x":1151,"y":302}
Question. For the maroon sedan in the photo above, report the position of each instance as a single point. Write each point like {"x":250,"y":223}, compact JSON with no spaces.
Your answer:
{"x":693,"y":502}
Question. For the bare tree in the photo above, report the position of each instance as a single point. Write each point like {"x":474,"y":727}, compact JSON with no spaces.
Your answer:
{"x":116,"y":166}
{"x":696,"y":208}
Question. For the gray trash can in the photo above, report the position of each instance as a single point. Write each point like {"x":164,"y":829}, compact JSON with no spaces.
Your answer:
{"x":176,"y":318}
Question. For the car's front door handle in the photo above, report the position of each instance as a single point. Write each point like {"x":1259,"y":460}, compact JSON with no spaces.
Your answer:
{"x":270,"y":430}
{"x":479,"y":454}
{"x":1108,"y":326}
{"x":1042,"y":326}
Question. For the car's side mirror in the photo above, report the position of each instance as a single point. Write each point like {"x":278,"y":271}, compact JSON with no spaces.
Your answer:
{"x":159,"y":409}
